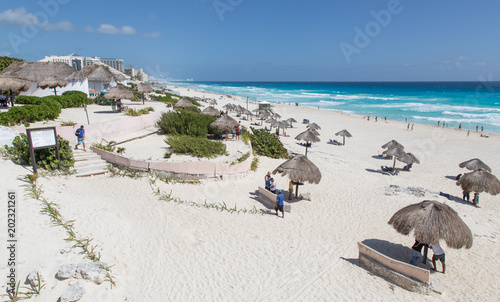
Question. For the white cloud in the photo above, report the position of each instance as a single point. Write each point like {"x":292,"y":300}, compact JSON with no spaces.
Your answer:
{"x":155,"y":34}
{"x":61,"y":26}
{"x":479,"y":64}
{"x":89,"y":29}
{"x":4,"y":53}
{"x":112,"y":30}
{"x":18,"y":17}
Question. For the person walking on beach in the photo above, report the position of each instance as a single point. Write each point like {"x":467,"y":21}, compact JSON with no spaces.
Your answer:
{"x":233,"y":132}
{"x":482,"y":128}
{"x":238,"y":132}
{"x":412,"y":126}
{"x":438,"y":123}
{"x":468,"y":132}
{"x":476,"y":127}
{"x":226,"y":133}
{"x":438,"y":255}
{"x":80,"y":133}
{"x":459,"y":126}
{"x":279,"y":204}
{"x":290,"y":190}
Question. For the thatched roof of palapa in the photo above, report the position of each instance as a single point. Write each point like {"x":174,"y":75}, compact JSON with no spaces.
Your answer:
{"x":313,"y":126}
{"x":299,"y":169}
{"x":409,"y":158}
{"x":479,"y":181}
{"x":475,"y":164}
{"x":343,"y":133}
{"x":308,"y":136}
{"x":37,"y":71}
{"x":223,"y":122}
{"x":211,"y":111}
{"x":397,"y":152}
{"x":94,"y":73}
{"x":119,"y":92}
{"x":291,"y":120}
{"x":14,"y":84}
{"x":52,"y":82}
{"x":432,"y":221}
{"x":392,"y":144}
{"x":143,"y":88}
{"x":183,"y":102}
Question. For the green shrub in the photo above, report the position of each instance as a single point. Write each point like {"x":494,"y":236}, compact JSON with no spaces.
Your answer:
{"x":68,"y":99}
{"x":48,"y":109}
{"x":169,"y":99}
{"x":185,"y":123}
{"x":45,"y":158}
{"x":134,"y":112}
{"x":68,"y":123}
{"x":267,"y":144}
{"x":196,"y":146}
{"x":100,"y":100}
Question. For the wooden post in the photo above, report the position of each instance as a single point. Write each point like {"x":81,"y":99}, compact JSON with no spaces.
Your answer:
{"x":426,"y":250}
{"x":32,"y":153}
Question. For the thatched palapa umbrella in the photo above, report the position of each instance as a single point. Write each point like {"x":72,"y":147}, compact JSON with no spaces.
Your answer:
{"x":299,"y":169}
{"x":52,"y":82}
{"x":184,"y":103}
{"x":291,"y":121}
{"x":281,"y":125}
{"x":119,"y":92}
{"x":396,"y":153}
{"x":430,"y":222}
{"x":143,"y":88}
{"x":211,"y":111}
{"x":313,"y":126}
{"x":14,"y":84}
{"x":409,"y":158}
{"x":392,"y":144}
{"x":223,"y":122}
{"x":308,"y":136}
{"x":479,"y":181}
{"x":343,"y":133}
{"x":474,"y":165}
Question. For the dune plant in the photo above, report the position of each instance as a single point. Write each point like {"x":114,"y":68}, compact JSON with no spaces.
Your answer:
{"x":267,"y":144}
{"x":196,"y":146}
{"x":185,"y":123}
{"x":255,"y":164}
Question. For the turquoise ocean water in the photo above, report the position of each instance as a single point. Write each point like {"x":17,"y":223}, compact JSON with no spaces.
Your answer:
{"x":469,"y":103}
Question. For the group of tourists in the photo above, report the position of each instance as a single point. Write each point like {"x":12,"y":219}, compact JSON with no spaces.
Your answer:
{"x":235,"y":133}
{"x":436,"y":249}
{"x":270,"y":185}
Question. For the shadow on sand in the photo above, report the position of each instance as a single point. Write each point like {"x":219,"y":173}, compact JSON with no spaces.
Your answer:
{"x":380,"y":157}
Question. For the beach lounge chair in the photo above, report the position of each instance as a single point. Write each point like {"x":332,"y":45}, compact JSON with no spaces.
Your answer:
{"x":334,"y":142}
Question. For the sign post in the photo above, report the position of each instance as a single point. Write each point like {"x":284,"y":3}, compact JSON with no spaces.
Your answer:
{"x":42,"y":138}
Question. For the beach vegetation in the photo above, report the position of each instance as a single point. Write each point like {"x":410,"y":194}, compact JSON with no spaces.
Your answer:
{"x":255,"y":164}
{"x":169,"y":99}
{"x":45,"y":109}
{"x":69,"y":99}
{"x":196,"y":146}
{"x":109,"y":147}
{"x":267,"y":144}
{"x":101,"y":101}
{"x":137,"y":112}
{"x":124,"y":171}
{"x":186,"y":123}
{"x":45,"y":158}
{"x":6,"y":61}
{"x":245,"y":135}
{"x":68,"y":123}
{"x":241,"y":159}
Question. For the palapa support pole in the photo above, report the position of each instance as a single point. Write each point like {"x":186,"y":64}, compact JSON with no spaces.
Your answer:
{"x":426,"y":250}
{"x":343,"y":142}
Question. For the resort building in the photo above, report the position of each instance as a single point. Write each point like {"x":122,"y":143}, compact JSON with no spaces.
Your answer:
{"x":136,"y":74}
{"x":79,"y":62}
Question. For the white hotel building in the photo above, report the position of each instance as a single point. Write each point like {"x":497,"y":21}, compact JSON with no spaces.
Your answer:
{"x":79,"y":62}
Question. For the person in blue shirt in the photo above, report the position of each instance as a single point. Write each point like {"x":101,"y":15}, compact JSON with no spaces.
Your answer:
{"x":80,"y":133}
{"x":279,"y":203}
{"x":267,"y":179}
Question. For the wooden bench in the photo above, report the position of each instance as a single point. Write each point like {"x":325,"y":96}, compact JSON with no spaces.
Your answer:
{"x":269,"y":199}
{"x":410,"y":277}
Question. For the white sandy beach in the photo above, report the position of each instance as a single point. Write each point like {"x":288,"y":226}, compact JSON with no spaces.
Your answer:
{"x":161,"y":251}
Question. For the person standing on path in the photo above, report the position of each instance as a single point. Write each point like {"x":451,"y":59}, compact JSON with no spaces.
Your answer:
{"x":80,"y":133}
{"x":290,"y":190}
{"x":279,"y":204}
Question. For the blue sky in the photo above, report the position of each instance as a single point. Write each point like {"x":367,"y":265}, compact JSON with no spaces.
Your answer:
{"x":266,"y":40}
